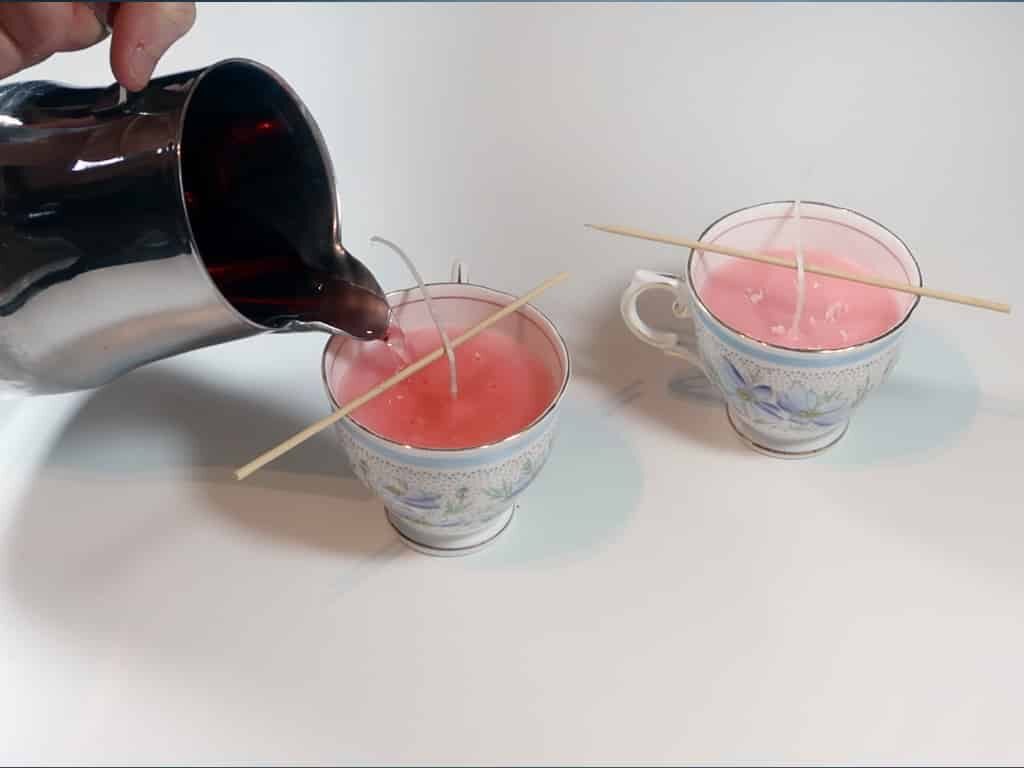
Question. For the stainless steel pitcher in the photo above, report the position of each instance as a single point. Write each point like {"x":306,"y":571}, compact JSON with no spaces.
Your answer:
{"x":136,"y":226}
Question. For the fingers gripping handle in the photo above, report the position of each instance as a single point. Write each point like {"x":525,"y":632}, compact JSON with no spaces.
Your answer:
{"x":668,"y":342}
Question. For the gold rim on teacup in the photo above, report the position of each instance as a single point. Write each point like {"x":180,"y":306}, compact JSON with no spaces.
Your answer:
{"x":695,"y":295}
{"x":509,"y":298}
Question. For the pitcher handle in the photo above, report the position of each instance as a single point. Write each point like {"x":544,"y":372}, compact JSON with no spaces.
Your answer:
{"x":667,"y":341}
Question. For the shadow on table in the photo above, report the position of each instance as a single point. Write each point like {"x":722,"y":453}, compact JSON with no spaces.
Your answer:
{"x":88,"y":525}
{"x":929,"y":401}
{"x":581,"y":500}
{"x":89,"y":550}
{"x":665,"y":392}
{"x":157,"y":421}
{"x":8,"y":409}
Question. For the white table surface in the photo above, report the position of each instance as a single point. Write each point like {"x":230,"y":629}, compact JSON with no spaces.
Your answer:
{"x":664,"y":595}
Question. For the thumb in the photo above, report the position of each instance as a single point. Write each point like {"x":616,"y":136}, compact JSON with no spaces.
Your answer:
{"x":142,"y":34}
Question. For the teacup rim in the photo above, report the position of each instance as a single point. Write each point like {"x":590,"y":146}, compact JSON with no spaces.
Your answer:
{"x":415,"y":449}
{"x":688,"y":276}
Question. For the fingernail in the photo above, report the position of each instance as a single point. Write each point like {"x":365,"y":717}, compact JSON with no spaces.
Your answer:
{"x":140,"y":66}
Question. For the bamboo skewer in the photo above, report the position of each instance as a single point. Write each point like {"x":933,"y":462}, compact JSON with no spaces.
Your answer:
{"x":697,"y":245}
{"x":423,"y":362}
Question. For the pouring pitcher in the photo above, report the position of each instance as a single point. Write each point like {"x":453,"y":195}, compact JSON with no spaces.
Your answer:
{"x":136,"y":226}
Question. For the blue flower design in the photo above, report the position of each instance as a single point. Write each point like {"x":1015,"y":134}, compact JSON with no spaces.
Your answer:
{"x":422,"y":500}
{"x":528,"y":470}
{"x":889,"y":366}
{"x":807,"y":407}
{"x":759,"y":396}
{"x":399,"y":490}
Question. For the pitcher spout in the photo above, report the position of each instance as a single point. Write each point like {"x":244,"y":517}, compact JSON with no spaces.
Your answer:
{"x":368,"y":306}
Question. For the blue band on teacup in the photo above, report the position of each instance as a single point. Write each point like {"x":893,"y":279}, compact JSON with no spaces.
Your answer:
{"x":813,"y":359}
{"x":451,"y":459}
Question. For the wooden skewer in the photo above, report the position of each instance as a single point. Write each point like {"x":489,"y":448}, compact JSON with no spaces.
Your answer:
{"x":403,"y":374}
{"x":875,"y":281}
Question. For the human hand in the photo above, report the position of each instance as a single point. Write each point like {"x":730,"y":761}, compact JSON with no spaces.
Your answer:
{"x":141,"y":34}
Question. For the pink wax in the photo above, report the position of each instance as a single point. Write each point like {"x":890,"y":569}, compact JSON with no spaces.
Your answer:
{"x":503,"y":388}
{"x":759,"y":300}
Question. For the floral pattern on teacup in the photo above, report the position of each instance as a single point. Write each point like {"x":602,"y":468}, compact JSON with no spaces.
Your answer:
{"x":805,"y":406}
{"x":455,"y":498}
{"x":736,"y":385}
{"x":791,"y":398}
{"x":509,"y":489}
{"x":798,"y":406}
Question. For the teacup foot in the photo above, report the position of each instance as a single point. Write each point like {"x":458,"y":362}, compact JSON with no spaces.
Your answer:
{"x":443,"y":545}
{"x":792,"y":449}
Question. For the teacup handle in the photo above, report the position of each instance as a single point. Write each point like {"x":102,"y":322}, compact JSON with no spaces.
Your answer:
{"x":644,"y":280}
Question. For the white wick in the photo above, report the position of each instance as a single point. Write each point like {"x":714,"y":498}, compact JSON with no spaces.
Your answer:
{"x":448,"y":350}
{"x":799,"y":272}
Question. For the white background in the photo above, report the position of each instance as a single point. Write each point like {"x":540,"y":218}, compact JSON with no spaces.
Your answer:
{"x":664,"y":595}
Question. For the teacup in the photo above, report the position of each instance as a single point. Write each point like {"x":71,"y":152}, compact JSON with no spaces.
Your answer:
{"x":783,"y":401}
{"x":454,"y":501}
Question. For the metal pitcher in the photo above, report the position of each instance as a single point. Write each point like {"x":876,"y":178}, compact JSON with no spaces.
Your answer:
{"x":136,"y":226}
